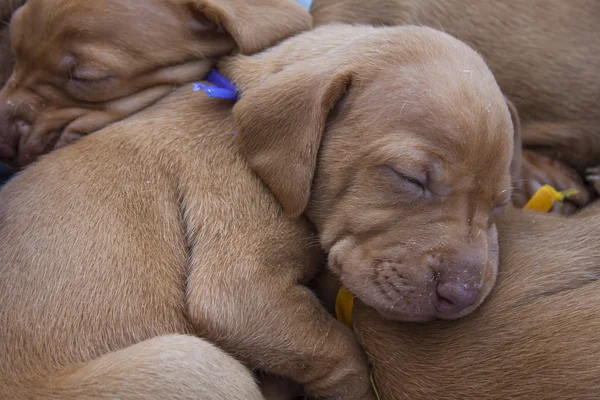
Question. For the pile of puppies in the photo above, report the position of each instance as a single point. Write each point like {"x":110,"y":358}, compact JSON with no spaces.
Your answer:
{"x":162,"y":242}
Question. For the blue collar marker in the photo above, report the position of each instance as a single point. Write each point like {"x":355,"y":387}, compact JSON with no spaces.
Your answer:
{"x":222,"y":89}
{"x":305,"y":3}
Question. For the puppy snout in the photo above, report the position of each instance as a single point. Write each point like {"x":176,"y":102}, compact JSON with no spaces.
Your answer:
{"x":459,"y":282}
{"x":453,"y":297}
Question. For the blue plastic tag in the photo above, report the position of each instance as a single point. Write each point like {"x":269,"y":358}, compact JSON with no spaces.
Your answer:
{"x":221,"y":87}
{"x":305,"y":3}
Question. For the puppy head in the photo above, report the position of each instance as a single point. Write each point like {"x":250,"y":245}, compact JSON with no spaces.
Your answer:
{"x":399,"y":153}
{"x":83,"y":64}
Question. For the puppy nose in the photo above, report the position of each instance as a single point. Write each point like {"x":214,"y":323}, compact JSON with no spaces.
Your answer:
{"x":454,"y":297}
{"x":459,"y":280}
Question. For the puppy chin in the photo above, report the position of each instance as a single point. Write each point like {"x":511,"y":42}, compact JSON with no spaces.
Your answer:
{"x":399,"y":317}
{"x":393,"y":310}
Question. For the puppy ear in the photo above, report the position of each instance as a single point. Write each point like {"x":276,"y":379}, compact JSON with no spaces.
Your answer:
{"x":280,"y":125}
{"x":253,"y":24}
{"x":517,"y":158}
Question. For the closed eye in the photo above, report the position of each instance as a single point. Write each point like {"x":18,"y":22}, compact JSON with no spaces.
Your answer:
{"x":407,"y":182}
{"x":88,"y":76}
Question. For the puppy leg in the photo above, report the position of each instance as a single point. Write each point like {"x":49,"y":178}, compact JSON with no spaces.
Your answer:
{"x":166,"y":367}
{"x":279,"y":327}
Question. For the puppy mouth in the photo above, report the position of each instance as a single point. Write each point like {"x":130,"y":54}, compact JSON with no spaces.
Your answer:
{"x":423,"y":308}
{"x":60,"y":127}
{"x":34,"y":140}
{"x":411,"y":300}
{"x":390,"y":303}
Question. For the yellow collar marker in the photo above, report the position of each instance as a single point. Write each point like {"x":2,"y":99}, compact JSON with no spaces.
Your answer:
{"x":344,"y":304}
{"x":546,"y":196}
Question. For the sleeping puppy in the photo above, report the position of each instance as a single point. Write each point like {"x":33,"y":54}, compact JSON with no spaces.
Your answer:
{"x":544,"y":54}
{"x":157,"y":224}
{"x":400,"y":156}
{"x":536,"y":337}
{"x":98,"y":62}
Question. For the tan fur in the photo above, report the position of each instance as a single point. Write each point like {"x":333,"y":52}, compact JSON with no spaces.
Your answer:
{"x":536,"y":337}
{"x":106,"y":60}
{"x":166,"y":231}
{"x":165,"y":367}
{"x":156,"y":225}
{"x":399,"y":99}
{"x":544,"y":54}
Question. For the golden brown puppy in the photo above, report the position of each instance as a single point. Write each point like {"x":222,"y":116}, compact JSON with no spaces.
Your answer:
{"x":537,"y":337}
{"x":81,"y":65}
{"x":7,"y":7}
{"x":403,"y":177}
{"x":157,"y":224}
{"x":544,"y":54}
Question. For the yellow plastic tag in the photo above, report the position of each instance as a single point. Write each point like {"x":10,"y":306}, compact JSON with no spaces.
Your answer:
{"x":344,"y":303}
{"x":546,"y":196}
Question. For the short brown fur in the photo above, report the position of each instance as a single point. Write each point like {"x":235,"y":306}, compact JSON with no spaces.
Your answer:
{"x":157,"y":225}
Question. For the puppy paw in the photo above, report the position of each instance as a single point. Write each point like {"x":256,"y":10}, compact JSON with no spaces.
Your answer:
{"x":539,"y":170}
{"x":592,"y":176}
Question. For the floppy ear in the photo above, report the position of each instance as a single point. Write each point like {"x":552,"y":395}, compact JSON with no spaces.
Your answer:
{"x":254,"y":24}
{"x":280,"y":125}
{"x":517,"y":158}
